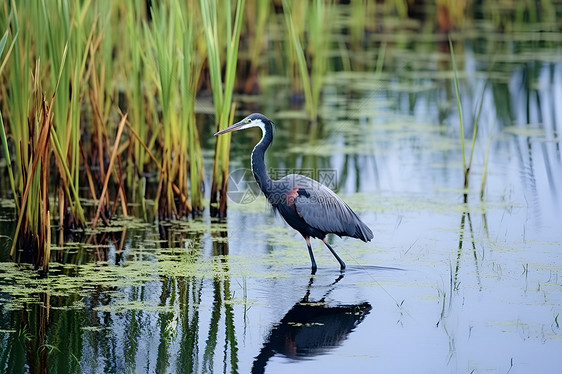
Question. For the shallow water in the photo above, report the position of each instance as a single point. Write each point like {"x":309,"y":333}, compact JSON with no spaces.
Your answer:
{"x":445,"y":286}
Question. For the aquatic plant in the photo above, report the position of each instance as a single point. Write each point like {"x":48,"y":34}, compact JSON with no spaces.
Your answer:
{"x":3,"y":132}
{"x":257,"y":17}
{"x":316,"y":20}
{"x":173,"y":24}
{"x":58,"y":29}
{"x":33,"y":229}
{"x":218,"y":25}
{"x":161,"y":36}
{"x":191,"y":64}
{"x":35,"y":139}
{"x":466,"y":165}
{"x":136,"y":98}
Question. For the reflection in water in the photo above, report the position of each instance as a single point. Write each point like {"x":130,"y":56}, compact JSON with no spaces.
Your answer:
{"x":311,"y":328}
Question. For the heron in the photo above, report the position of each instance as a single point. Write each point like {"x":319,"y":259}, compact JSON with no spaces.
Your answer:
{"x":307,"y":206}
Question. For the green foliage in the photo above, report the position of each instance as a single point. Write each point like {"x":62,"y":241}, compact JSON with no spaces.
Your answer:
{"x":316,"y":27}
{"x":3,"y":133}
{"x":174,"y":25}
{"x":215,"y":29}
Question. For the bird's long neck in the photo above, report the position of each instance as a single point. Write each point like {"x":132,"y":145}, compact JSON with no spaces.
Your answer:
{"x":258,"y":160}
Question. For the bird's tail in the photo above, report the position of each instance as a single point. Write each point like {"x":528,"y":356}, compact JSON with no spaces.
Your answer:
{"x":363,"y":232}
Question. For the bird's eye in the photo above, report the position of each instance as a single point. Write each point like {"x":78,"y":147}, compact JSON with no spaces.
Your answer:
{"x":248,"y":120}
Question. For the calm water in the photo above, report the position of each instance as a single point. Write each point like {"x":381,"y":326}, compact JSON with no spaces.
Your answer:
{"x":444,"y":286}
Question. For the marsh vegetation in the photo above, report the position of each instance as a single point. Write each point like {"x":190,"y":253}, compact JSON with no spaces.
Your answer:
{"x":438,"y":123}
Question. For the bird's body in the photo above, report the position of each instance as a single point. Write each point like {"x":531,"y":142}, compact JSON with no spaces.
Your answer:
{"x":314,"y":210}
{"x":306,"y":205}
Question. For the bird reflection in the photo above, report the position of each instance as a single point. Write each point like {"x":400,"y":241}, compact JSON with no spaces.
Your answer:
{"x":311,"y":328}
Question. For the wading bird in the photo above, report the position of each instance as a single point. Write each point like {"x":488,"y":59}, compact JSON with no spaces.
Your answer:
{"x":306,"y":205}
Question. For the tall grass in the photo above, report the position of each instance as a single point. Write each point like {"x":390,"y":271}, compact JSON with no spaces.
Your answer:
{"x":58,"y":29}
{"x":134,"y":65}
{"x":300,"y":58}
{"x":2,"y":130}
{"x":161,"y":37}
{"x":33,"y":226}
{"x":174,"y":25}
{"x":257,"y":15}
{"x":216,"y":16}
{"x":30,"y":127}
{"x":103,"y":61}
{"x":191,"y":65}
{"x":358,"y":18}
{"x":100,"y":80}
{"x":312,"y":58}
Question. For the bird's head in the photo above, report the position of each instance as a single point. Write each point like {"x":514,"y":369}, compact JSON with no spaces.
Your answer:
{"x":253,"y":120}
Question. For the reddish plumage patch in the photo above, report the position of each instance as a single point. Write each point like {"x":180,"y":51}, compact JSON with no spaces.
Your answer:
{"x":291,"y":195}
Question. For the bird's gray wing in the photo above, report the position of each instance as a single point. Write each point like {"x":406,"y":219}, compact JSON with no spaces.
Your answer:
{"x":322,"y":209}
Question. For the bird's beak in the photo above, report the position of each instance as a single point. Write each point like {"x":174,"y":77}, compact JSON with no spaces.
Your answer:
{"x":234,"y":127}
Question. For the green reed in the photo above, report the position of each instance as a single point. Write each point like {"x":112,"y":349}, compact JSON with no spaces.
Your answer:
{"x":485,"y":170}
{"x":316,"y":20}
{"x":161,"y":38}
{"x":58,"y":29}
{"x":358,"y":21}
{"x":134,"y":90}
{"x":319,"y":23}
{"x":55,"y":42}
{"x":29,"y":124}
{"x":258,"y":14}
{"x":17,"y":101}
{"x":467,"y":165}
{"x":300,"y":58}
{"x":33,"y":229}
{"x":191,"y":65}
{"x":216,"y":16}
{"x":173,"y":25}
{"x":459,"y":108}
{"x":3,"y":132}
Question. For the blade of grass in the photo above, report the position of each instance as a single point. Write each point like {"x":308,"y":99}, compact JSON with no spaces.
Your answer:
{"x":459,"y":106}
{"x":475,"y":131}
{"x":2,"y":45}
{"x":67,"y":179}
{"x":8,"y":162}
{"x":111,"y":162}
{"x":301,"y":60}
{"x":485,"y":170}
{"x":47,"y":249}
{"x":2,"y":131}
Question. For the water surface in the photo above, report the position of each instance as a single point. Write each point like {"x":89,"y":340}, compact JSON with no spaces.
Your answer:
{"x":445,"y":286}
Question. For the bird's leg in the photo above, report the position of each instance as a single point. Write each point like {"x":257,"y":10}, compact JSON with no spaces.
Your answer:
{"x":307,"y":238}
{"x":342,"y":264}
